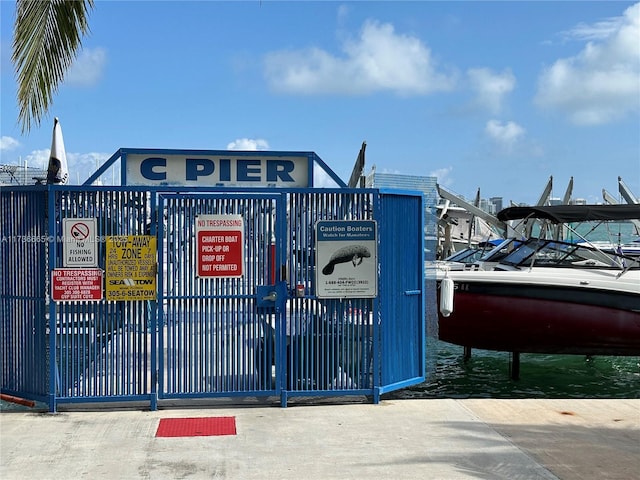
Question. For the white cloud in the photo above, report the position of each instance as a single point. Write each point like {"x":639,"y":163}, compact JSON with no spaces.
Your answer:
{"x":602,"y":82}
{"x":491,"y":88}
{"x":504,"y":134}
{"x":82,"y":165}
{"x":378,"y":60}
{"x":8,"y":143}
{"x":443,"y":175}
{"x":38,"y":158}
{"x":321,"y":178}
{"x":248,"y":144}
{"x":88,"y":68}
{"x":598,"y":31}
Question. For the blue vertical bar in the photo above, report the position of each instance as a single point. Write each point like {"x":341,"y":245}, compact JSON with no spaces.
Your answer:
{"x":157,"y":341}
{"x":421,"y":285}
{"x":53,"y":363}
{"x":375,"y":350}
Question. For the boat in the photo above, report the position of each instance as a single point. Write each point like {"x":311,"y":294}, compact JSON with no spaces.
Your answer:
{"x":547,"y":295}
{"x":462,"y":225}
{"x":630,"y":249}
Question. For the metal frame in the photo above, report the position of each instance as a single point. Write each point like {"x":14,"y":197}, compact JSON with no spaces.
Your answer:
{"x":114,"y":351}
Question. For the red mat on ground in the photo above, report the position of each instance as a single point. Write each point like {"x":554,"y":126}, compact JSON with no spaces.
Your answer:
{"x":196,"y":427}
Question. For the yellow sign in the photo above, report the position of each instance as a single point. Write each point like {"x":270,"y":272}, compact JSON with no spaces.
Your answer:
{"x":131,"y":267}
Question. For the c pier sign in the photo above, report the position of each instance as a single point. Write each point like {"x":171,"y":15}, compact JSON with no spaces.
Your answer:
{"x":226,"y":170}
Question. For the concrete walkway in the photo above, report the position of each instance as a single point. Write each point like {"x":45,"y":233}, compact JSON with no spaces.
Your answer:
{"x":397,"y":439}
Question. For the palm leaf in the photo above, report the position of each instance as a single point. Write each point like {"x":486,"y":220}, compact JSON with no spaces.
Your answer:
{"x":47,"y":37}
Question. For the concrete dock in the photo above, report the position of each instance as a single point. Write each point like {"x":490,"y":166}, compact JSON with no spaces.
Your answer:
{"x":396,"y":439}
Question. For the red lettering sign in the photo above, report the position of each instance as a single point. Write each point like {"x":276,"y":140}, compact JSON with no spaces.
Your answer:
{"x":220,"y":253}
{"x":76,"y":284}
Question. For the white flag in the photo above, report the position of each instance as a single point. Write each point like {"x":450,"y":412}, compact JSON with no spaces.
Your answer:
{"x":57,"y":173}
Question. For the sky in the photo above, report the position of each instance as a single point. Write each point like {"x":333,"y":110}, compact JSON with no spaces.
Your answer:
{"x":497,"y":96}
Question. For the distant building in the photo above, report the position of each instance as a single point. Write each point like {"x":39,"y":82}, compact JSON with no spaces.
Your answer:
{"x":21,"y":175}
{"x":426,"y":185}
{"x":487,"y":206}
{"x":497,"y":203}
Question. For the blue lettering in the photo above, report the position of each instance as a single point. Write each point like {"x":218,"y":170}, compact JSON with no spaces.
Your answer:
{"x":224,"y":170}
{"x":279,"y":169}
{"x":197,"y":167}
{"x":245,"y":169}
{"x":149,"y":164}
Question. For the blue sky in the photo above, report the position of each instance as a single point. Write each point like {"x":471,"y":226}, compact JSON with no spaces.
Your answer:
{"x":492,"y":95}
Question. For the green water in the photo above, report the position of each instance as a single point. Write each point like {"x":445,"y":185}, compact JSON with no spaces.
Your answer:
{"x":614,"y":232}
{"x":486,"y":375}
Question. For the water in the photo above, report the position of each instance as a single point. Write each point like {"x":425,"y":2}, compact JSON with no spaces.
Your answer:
{"x":486,"y":375}
{"x":614,"y":232}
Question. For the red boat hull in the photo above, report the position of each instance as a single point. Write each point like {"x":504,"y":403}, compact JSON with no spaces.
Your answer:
{"x":539,"y":325}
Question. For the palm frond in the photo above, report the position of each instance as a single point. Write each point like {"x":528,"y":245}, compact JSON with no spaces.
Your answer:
{"x":47,"y":37}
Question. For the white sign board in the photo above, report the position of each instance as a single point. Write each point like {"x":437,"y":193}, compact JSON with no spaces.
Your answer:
{"x":229,"y":170}
{"x":346,"y":259}
{"x":80,"y":242}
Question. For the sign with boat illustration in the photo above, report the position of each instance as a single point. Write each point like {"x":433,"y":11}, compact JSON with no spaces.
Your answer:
{"x":346,"y":259}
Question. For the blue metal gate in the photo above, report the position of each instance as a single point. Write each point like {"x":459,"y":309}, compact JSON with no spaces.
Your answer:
{"x":264,"y":333}
{"x":103,"y":349}
{"x":214,"y":337}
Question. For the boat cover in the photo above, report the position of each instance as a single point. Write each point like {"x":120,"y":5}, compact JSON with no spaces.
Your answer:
{"x":573,"y":213}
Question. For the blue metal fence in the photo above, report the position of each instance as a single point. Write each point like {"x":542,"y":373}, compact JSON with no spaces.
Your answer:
{"x":265,"y":333}
{"x":24,"y":354}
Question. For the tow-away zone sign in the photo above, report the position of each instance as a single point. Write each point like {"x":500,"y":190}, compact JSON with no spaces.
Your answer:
{"x":131,"y":267}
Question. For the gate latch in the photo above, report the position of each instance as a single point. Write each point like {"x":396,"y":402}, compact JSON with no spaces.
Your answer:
{"x":271,"y":297}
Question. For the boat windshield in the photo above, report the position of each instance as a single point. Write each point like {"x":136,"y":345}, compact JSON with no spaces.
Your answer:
{"x":552,"y":253}
{"x":501,"y":250}
{"x":467,"y":255}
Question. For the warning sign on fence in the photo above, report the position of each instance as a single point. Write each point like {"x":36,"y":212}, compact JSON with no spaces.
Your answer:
{"x":79,"y":247}
{"x":220,"y":246}
{"x":75,"y":284}
{"x":131,"y":267}
{"x":347,"y":259}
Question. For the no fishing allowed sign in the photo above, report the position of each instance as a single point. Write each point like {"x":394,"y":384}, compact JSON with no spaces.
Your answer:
{"x":80,"y":242}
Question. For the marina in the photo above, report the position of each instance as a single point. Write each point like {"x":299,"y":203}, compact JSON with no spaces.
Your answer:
{"x":193,"y":292}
